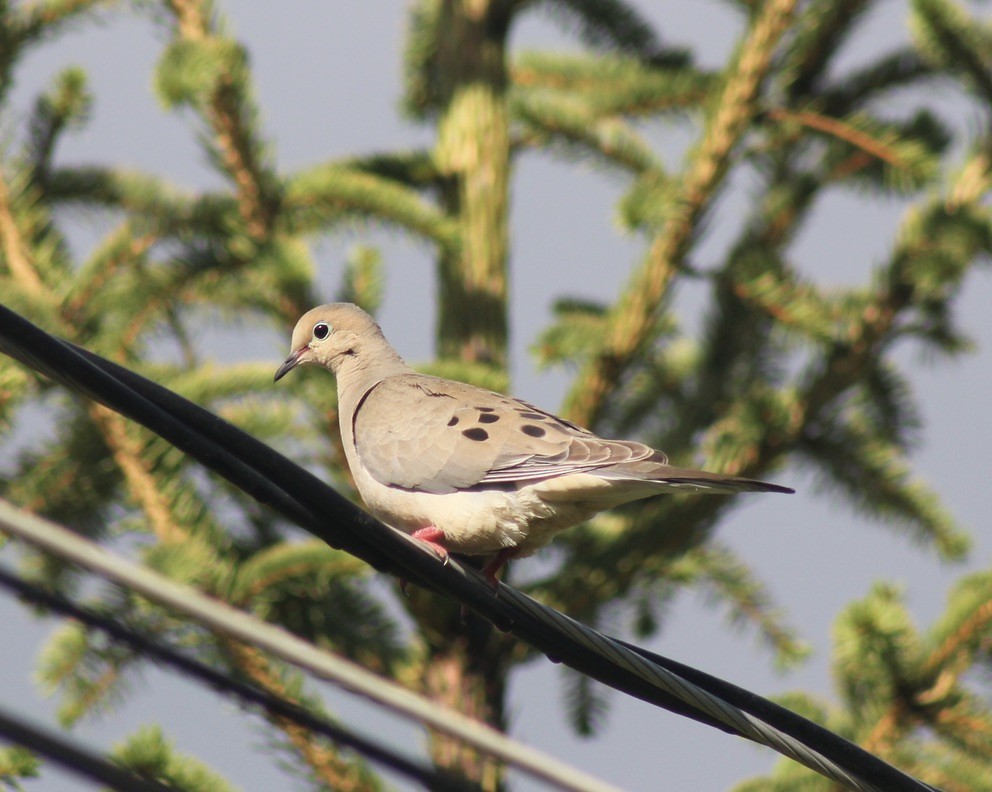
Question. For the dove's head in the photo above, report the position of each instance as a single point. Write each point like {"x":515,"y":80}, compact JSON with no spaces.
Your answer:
{"x":340,"y":337}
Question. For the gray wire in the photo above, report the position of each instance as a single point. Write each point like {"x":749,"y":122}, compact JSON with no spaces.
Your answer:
{"x":74,"y":758}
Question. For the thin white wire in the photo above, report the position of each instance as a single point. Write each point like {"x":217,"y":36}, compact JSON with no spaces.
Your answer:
{"x":223,"y":618}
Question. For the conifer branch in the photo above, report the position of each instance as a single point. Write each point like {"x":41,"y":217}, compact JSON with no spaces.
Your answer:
{"x":718,"y":569}
{"x":415,"y":168}
{"x":65,"y":106}
{"x":121,"y":248}
{"x":326,"y":195}
{"x":902,"y":68}
{"x":948,"y":35}
{"x":611,"y":85}
{"x":845,"y":364}
{"x":819,"y":33}
{"x":954,"y":649}
{"x":145,"y":198}
{"x":611,"y":24}
{"x":44,"y":16}
{"x":111,"y":425}
{"x":141,"y":482}
{"x":14,"y":249}
{"x":633,"y":316}
{"x":609,"y":137}
{"x":974,"y":181}
{"x":950,"y":712}
{"x":842,"y":131}
{"x":227,"y":113}
{"x":883,"y":735}
{"x":325,"y":761}
{"x":287,"y":561}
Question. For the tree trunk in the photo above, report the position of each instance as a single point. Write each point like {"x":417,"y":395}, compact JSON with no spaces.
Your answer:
{"x":466,"y":669}
{"x":466,"y":660}
{"x":473,"y":153}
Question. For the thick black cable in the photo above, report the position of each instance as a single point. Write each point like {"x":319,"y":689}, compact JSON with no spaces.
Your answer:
{"x":850,"y":756}
{"x":304,"y":499}
{"x":81,"y":761}
{"x":273,"y":705}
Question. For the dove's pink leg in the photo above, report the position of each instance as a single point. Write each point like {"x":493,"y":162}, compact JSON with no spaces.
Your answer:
{"x":432,"y":537}
{"x":498,"y":562}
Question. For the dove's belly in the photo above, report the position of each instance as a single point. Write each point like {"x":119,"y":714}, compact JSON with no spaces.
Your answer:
{"x":486,"y":521}
{"x":478,"y":523}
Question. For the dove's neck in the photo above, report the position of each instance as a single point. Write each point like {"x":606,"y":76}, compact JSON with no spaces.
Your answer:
{"x":358,"y":373}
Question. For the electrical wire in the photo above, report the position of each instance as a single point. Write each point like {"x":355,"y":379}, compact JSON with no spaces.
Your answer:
{"x":78,"y":760}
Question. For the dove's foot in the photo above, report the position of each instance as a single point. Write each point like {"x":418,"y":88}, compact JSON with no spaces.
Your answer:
{"x":498,"y":562}
{"x":432,"y":537}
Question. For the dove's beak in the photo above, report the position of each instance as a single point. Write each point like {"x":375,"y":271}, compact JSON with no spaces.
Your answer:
{"x":289,"y":364}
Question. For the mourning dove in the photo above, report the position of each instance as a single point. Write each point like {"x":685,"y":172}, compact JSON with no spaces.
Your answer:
{"x":465,"y":469}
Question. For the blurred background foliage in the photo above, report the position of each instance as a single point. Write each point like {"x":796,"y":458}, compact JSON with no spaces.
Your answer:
{"x":781,"y":371}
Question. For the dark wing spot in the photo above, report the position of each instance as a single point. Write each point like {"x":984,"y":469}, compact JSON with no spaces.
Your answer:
{"x":486,"y":409}
{"x":533,"y":431}
{"x":492,"y":486}
{"x":453,"y":421}
{"x":533,"y":416}
{"x":475,"y":433}
{"x":488,"y":417}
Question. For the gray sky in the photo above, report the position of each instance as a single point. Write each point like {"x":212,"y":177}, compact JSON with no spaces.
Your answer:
{"x":815,"y":555}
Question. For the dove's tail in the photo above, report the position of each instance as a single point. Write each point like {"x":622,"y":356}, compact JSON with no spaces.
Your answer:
{"x":674,"y":479}
{"x":700,"y":481}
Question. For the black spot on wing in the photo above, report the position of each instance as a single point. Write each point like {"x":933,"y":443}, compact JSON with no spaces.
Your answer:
{"x":476,"y":433}
{"x":453,"y":421}
{"x":487,"y":417}
{"x":533,"y":431}
{"x":554,"y":422}
{"x":486,"y":409}
{"x":492,"y":486}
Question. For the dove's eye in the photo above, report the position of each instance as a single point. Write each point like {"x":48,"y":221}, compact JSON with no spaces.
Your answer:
{"x":320,"y":330}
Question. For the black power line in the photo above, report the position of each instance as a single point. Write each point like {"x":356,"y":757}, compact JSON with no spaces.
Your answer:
{"x":81,"y":761}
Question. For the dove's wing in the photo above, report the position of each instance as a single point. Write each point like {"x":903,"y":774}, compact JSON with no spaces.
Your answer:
{"x":433,"y":435}
{"x":428,"y":434}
